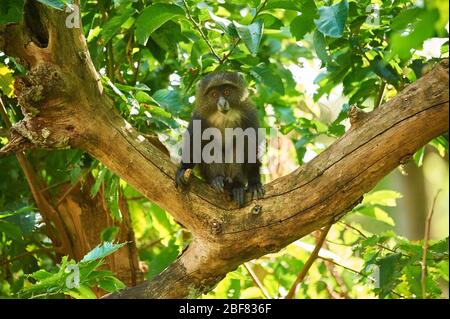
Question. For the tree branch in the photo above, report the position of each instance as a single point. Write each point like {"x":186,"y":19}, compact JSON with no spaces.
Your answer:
{"x":423,"y":280}
{"x":199,"y":28}
{"x":309,"y":262}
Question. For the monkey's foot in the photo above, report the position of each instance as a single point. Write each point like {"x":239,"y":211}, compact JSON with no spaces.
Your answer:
{"x":179,"y":177}
{"x":218,"y":183}
{"x":256,"y":190}
{"x":238,"y":193}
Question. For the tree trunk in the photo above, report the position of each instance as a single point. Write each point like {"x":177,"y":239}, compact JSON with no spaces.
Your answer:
{"x":85,"y":218}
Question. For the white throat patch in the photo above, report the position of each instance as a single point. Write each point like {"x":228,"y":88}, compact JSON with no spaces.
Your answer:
{"x":231,"y":119}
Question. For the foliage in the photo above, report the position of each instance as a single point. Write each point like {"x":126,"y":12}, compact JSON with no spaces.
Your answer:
{"x":150,"y":55}
{"x":62,"y":280}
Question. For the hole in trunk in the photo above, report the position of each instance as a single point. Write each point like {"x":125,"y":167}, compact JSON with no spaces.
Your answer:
{"x":33,"y":23}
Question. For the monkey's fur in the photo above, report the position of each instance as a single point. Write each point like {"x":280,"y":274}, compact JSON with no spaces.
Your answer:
{"x":222,"y":101}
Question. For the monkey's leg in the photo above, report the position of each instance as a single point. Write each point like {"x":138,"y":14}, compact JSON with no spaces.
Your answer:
{"x":255,"y":187}
{"x":238,"y":193}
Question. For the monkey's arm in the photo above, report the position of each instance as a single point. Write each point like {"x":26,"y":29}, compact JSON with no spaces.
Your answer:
{"x":187,"y":162}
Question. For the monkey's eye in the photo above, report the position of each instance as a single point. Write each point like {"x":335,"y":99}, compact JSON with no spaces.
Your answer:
{"x":226,"y":92}
{"x":215,"y":94}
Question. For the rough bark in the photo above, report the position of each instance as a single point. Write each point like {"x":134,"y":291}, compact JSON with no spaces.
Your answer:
{"x":65,"y":106}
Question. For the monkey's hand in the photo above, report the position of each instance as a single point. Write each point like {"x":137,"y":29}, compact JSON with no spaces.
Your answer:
{"x":218,"y":183}
{"x":256,"y":190}
{"x":179,"y":177}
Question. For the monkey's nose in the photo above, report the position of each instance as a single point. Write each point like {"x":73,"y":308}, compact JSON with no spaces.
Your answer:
{"x":223,"y":105}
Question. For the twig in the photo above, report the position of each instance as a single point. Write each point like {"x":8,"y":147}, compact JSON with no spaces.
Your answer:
{"x":257,"y":282}
{"x":340,"y":282}
{"x":425,"y":247}
{"x":333,"y":294}
{"x":199,"y":28}
{"x":356,"y":272}
{"x":136,"y":198}
{"x":309,"y":262}
{"x":365,"y":236}
{"x":229,"y":53}
{"x":156,"y":242}
{"x":48,"y":212}
{"x":380,"y":95}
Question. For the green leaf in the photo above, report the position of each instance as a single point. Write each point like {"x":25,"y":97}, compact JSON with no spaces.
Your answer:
{"x":164,"y":259}
{"x":405,"y":17}
{"x":376,"y":213}
{"x":156,"y":110}
{"x":6,"y":80}
{"x":418,"y":156}
{"x":332,"y":19}
{"x":56,"y":4}
{"x":41,"y":274}
{"x":270,"y":21}
{"x":84,"y":292}
{"x":265,"y":75}
{"x":225,"y":24}
{"x":109,"y":234}
{"x":112,"y":27}
{"x":98,"y":182}
{"x":153,"y":17}
{"x":304,"y":23}
{"x":403,"y":42}
{"x":144,"y":97}
{"x":251,"y":35}
{"x":441,"y":247}
{"x":385,"y":70}
{"x":441,"y":144}
{"x":389,"y":273}
{"x":168,"y":99}
{"x":111,"y":284}
{"x":11,"y":230}
{"x":161,"y":220}
{"x":129,"y":88}
{"x":11,"y":11}
{"x":101,"y":251}
{"x":321,"y":47}
{"x":283,"y":4}
{"x":383,"y":198}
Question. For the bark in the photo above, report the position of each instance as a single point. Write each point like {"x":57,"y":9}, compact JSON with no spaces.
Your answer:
{"x":66,"y":106}
{"x":85,"y":218}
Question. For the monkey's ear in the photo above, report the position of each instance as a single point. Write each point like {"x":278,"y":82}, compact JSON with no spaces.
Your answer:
{"x":199,"y":88}
{"x":241,"y":77}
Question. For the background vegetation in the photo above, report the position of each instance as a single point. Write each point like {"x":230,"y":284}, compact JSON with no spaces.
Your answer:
{"x":305,"y":62}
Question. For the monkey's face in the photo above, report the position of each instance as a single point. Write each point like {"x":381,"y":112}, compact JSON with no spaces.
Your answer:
{"x":220,"y":93}
{"x":223,"y":98}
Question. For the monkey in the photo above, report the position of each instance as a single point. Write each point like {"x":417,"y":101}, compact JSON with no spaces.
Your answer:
{"x":222,"y":102}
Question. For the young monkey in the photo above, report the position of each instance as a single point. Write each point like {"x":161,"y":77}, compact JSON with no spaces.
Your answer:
{"x":222,"y":101}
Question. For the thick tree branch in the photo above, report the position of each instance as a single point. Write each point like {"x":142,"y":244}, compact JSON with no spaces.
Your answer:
{"x":65,"y":106}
